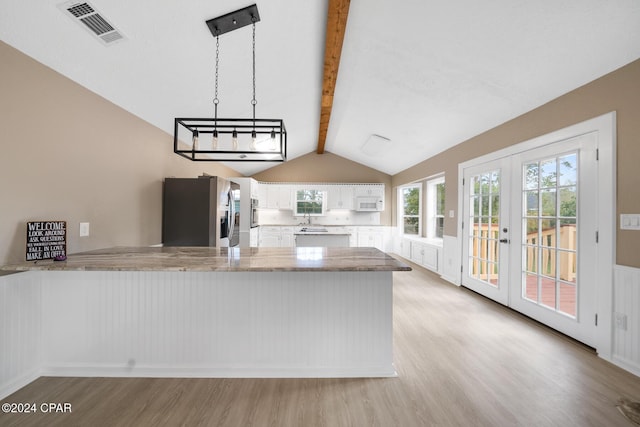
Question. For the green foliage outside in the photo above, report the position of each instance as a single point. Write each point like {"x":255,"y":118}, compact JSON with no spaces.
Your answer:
{"x":309,"y":202}
{"x":411,"y":208}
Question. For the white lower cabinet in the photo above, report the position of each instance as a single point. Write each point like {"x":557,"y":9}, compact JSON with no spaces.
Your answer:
{"x":275,"y":237}
{"x":371,"y":237}
{"x":405,"y":248}
{"x":286,"y":237}
{"x":353,"y":236}
{"x":253,"y":237}
{"x":269,"y":239}
{"x":422,"y":253}
{"x":359,"y":236}
{"x":417,"y":253}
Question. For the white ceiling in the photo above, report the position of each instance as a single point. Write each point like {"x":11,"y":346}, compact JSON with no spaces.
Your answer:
{"x":427,"y":75}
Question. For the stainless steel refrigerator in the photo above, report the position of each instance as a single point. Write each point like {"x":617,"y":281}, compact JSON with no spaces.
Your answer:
{"x":199,"y":212}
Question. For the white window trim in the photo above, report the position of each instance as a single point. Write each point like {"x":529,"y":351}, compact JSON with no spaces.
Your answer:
{"x":431,"y":206}
{"x":400,"y":209}
{"x":303,"y":214}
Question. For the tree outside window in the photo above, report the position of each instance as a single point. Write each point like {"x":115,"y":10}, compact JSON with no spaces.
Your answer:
{"x":309,"y":202}
{"x":411,"y":209}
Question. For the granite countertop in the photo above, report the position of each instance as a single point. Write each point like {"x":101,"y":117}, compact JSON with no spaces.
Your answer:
{"x":220,"y":259}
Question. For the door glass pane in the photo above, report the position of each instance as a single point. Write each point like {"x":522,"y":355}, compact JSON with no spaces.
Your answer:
{"x":484,"y":205}
{"x":531,"y":203}
{"x":530,"y":285}
{"x":548,"y":233}
{"x":548,"y":292}
{"x":548,"y":202}
{"x":567,"y":266}
{"x":531,"y":259}
{"x":549,"y":242}
{"x":568,"y":234}
{"x":567,"y":196}
{"x":568,"y":294}
{"x":568,"y":167}
{"x":548,"y":173}
{"x":548,"y":262}
{"x":531,"y":176}
{"x":492,"y":273}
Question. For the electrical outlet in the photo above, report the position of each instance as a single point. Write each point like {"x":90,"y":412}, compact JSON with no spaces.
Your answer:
{"x":621,"y":321}
{"x":84,"y":229}
{"x":630,"y":222}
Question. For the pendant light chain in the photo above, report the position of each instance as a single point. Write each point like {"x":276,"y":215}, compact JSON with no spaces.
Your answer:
{"x":254,"y":101}
{"x":216,"y":101}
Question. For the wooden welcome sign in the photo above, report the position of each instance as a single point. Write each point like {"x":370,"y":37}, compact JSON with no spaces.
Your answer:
{"x":46,"y":240}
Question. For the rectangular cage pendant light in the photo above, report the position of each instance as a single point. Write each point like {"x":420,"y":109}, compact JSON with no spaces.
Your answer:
{"x":270,"y":140}
{"x":235,"y":139}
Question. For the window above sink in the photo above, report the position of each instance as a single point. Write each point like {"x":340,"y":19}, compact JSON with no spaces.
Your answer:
{"x":310,"y":202}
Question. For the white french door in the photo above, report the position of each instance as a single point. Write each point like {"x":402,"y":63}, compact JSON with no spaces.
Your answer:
{"x":529,"y":230}
{"x":485,"y":267}
{"x":554,"y":225}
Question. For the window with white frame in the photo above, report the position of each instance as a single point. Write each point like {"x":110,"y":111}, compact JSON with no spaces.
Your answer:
{"x":410,"y":218}
{"x":310,"y":202}
{"x":435,"y":208}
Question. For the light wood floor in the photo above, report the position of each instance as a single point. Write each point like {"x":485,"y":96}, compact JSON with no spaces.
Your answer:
{"x":462,"y":361}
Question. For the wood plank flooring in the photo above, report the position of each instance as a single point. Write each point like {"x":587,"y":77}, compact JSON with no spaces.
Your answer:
{"x":462,"y":361}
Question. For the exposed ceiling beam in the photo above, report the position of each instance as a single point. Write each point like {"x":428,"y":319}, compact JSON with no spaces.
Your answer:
{"x":336,"y":25}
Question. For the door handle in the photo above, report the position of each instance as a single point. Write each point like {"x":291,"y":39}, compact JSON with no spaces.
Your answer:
{"x":504,"y":240}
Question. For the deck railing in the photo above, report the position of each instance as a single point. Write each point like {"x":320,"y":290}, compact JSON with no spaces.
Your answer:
{"x":485,"y":243}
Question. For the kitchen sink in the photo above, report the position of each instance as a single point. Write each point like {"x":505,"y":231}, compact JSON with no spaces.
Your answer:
{"x":313,"y":230}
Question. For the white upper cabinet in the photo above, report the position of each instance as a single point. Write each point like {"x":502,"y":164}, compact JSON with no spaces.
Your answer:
{"x":278,"y":197}
{"x":255,"y":189}
{"x":369,"y":190}
{"x":340,"y":197}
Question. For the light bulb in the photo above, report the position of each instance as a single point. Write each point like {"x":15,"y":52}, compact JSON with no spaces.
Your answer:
{"x":214,"y":139}
{"x":234,"y":140}
{"x":273,"y":140}
{"x":194,"y":138}
{"x":252,"y":144}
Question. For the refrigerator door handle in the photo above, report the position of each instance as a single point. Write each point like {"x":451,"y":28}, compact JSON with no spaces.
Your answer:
{"x":232,"y":215}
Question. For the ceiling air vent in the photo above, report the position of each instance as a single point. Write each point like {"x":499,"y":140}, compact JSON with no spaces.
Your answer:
{"x":376,"y":145}
{"x":91,"y":20}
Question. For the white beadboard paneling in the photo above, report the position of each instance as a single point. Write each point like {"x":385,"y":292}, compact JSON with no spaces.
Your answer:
{"x":20,"y":330}
{"x":218,"y":324}
{"x":626,"y":301}
{"x":432,"y":257}
{"x":451,"y":259}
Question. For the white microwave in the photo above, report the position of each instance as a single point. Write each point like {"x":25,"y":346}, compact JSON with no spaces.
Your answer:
{"x":371,"y":204}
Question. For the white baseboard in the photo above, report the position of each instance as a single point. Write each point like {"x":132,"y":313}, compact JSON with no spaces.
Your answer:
{"x":452,"y":280}
{"x":215,"y":372}
{"x":627,"y":365}
{"x":16,"y":384}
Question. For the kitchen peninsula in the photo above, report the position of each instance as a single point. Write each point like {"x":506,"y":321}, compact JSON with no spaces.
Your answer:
{"x":203,"y":312}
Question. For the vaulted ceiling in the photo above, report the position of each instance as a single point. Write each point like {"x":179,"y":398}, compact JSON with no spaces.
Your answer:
{"x":421,"y":75}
